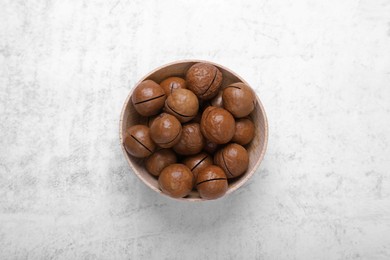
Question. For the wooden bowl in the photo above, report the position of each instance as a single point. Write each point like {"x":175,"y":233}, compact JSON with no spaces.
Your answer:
{"x":256,"y":148}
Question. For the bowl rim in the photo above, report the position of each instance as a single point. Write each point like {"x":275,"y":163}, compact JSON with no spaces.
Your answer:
{"x":242,"y":181}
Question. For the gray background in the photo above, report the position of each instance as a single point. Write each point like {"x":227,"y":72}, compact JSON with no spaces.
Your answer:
{"x":321,"y":69}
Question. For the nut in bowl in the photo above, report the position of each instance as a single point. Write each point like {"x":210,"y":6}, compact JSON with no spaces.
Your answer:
{"x":193,"y":117}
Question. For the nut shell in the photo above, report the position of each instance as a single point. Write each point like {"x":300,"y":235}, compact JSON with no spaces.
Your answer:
{"x":198,"y":162}
{"x":138,"y":142}
{"x":239,"y":99}
{"x":183,"y":104}
{"x":217,"y":125}
{"x":165,"y":130}
{"x":148,"y":98}
{"x":171,"y":84}
{"x":211,"y":182}
{"x":191,"y":140}
{"x":233,"y":159}
{"x":176,"y":180}
{"x":245,"y":131}
{"x":204,"y":80}
{"x":159,"y":160}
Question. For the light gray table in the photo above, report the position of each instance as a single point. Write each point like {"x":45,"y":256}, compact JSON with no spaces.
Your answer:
{"x":321,"y":69}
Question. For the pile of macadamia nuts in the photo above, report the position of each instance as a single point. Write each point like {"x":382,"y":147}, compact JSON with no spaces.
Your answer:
{"x":196,"y":131}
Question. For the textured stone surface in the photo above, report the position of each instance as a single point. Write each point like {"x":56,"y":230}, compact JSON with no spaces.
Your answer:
{"x":321,"y":68}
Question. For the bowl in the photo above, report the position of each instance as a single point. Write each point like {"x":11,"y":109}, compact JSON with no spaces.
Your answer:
{"x":256,"y":148}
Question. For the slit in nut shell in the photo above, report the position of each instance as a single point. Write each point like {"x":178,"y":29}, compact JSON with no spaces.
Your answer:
{"x":239,"y":99}
{"x":204,"y":80}
{"x":211,"y":182}
{"x":148,"y":98}
{"x":171,"y":84}
{"x":233,"y":159}
{"x":198,"y":162}
{"x":137,"y":141}
{"x":165,"y":130}
{"x":183,"y":104}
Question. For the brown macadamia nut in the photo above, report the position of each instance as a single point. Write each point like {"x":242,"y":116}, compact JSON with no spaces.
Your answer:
{"x":217,"y":125}
{"x":183,"y":104}
{"x":239,"y":99}
{"x":233,"y":159}
{"x":198,"y":162}
{"x":211,"y":182}
{"x":138,"y":142}
{"x":245,"y":131}
{"x":159,"y":160}
{"x":165,"y":130}
{"x":176,"y":180}
{"x":204,"y":80}
{"x":148,"y":98}
{"x":171,"y":84}
{"x":191,"y":140}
